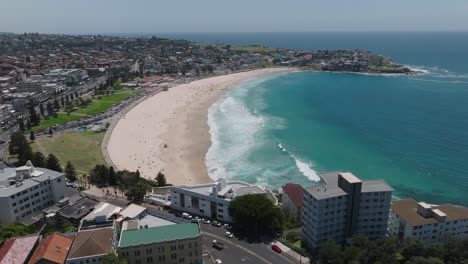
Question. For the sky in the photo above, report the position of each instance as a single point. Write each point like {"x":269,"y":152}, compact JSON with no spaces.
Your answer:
{"x":166,"y":16}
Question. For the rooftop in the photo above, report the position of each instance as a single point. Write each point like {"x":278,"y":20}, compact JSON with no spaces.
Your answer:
{"x":294,"y":192}
{"x":224,"y":189}
{"x":407,"y":210}
{"x":17,"y":249}
{"x":54,"y":248}
{"x":158,"y":234}
{"x":102,"y":212}
{"x":145,"y":222}
{"x":14,"y":180}
{"x":91,"y":243}
{"x":131,"y":211}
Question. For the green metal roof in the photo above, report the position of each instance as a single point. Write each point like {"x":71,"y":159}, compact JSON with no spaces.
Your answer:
{"x":158,"y":234}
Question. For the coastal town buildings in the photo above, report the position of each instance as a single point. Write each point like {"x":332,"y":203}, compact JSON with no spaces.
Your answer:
{"x":27,"y":190}
{"x":428,"y":223}
{"x":18,"y":249}
{"x":342,"y":206}
{"x":211,"y":200}
{"x":52,"y":250}
{"x":292,"y":200}
{"x":173,"y":243}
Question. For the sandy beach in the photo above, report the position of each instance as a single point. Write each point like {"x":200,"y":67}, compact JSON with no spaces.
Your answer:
{"x":169,"y":132}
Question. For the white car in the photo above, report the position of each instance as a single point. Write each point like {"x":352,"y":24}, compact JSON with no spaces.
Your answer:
{"x":229,"y":234}
{"x":218,"y":261}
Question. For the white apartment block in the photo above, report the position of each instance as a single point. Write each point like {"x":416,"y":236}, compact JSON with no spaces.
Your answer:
{"x":343,"y":206}
{"x":27,"y":190}
{"x":428,"y":223}
{"x":210,"y":200}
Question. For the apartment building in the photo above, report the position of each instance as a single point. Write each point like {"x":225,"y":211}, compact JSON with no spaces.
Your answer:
{"x":167,"y":244}
{"x":342,"y":206}
{"x":428,"y":223}
{"x":211,"y":200}
{"x":27,"y":190}
{"x":29,"y":86}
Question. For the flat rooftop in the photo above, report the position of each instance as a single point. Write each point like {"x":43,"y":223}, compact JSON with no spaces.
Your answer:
{"x":8,"y":176}
{"x":407,"y":210}
{"x":147,"y":236}
{"x":146,"y":222}
{"x":103,"y":209}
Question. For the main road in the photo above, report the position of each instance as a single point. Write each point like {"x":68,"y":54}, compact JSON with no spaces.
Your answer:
{"x":235,"y":250}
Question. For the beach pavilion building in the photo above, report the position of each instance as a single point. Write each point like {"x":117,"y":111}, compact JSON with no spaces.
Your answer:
{"x":211,"y":200}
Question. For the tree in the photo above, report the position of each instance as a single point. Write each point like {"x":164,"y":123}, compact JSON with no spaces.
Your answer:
{"x":41,"y":109}
{"x":18,"y":143}
{"x":50,"y":108}
{"x":53,"y":163}
{"x":113,"y":259}
{"x":161,"y":180}
{"x":28,"y":124}
{"x":112,"y":176}
{"x":70,"y":172}
{"x":32,"y":137}
{"x":421,"y":260}
{"x":330,"y":252}
{"x":99,"y":175}
{"x":38,"y":159}
{"x":33,"y":117}
{"x":255,"y":215}
{"x":21,"y":124}
{"x":24,"y":156}
{"x":15,"y":230}
{"x":137,"y":192}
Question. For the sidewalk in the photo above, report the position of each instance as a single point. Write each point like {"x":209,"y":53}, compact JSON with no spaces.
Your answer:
{"x":292,"y":253}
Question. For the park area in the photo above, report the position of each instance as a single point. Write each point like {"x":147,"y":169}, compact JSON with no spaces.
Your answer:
{"x":82,"y":149}
{"x":97,"y":105}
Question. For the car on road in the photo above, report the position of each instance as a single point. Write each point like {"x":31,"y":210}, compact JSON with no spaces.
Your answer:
{"x":178,"y":215}
{"x":218,"y":245}
{"x":195,"y":220}
{"x":229,"y":234}
{"x":218,"y":261}
{"x":276,"y":248}
{"x":186,"y":216}
{"x":206,"y":221}
{"x":228,"y":226}
{"x":216,"y":223}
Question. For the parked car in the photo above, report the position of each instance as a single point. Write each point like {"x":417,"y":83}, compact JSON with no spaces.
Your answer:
{"x":206,"y":221}
{"x":228,"y":226}
{"x":186,"y":216}
{"x":229,"y":234}
{"x":218,"y":261}
{"x":276,"y":248}
{"x":218,"y":245}
{"x":216,"y":223}
{"x":178,"y":215}
{"x":195,"y":220}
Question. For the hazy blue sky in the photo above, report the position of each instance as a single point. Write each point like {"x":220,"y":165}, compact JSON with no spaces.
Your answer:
{"x":138,"y":16}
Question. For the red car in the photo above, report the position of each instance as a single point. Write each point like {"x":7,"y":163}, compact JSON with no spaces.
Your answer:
{"x":276,"y":248}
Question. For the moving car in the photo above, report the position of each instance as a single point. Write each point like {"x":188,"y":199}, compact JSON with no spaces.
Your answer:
{"x":216,"y":223}
{"x":218,"y":245}
{"x":218,"y":261}
{"x":276,"y":248}
{"x":186,"y":216}
{"x":229,"y":234}
{"x":227,"y":226}
{"x":206,"y":221}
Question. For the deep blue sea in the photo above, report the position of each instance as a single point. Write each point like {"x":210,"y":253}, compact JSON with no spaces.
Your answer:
{"x":411,"y":131}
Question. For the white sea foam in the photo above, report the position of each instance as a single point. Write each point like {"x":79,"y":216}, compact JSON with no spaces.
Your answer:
{"x":304,"y":168}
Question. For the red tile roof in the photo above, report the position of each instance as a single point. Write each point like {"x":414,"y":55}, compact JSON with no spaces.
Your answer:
{"x":16,"y":250}
{"x":294,"y":192}
{"x":54,"y":248}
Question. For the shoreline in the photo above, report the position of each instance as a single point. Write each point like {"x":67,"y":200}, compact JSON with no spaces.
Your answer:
{"x":176,"y":118}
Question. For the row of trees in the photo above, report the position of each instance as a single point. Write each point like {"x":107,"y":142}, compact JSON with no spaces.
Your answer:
{"x":20,"y":146}
{"x":136,"y":186}
{"x":390,"y":251}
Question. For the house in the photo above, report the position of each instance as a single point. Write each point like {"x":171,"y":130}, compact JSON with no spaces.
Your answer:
{"x":52,"y":249}
{"x":428,"y":223}
{"x":18,"y":250}
{"x":292,"y":200}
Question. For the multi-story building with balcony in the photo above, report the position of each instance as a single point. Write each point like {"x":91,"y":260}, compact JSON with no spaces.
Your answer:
{"x":343,"y":206}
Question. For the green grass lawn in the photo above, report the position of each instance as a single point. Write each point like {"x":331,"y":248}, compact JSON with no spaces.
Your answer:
{"x":97,"y":106}
{"x":82,"y":149}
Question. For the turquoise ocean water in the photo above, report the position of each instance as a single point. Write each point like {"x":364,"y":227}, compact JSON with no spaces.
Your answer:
{"x":411,"y":131}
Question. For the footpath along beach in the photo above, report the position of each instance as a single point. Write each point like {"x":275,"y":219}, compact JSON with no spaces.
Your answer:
{"x":169,"y":132}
